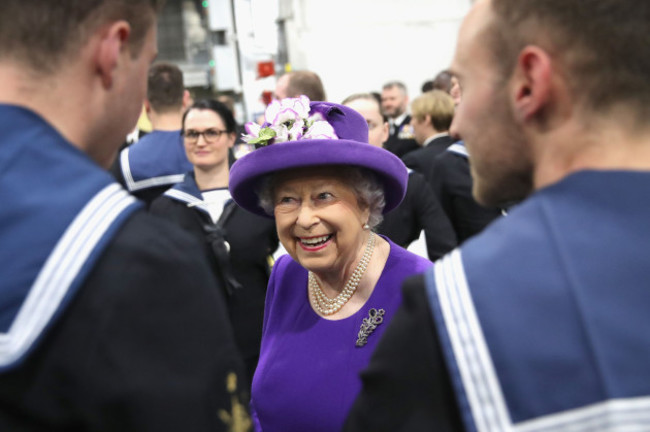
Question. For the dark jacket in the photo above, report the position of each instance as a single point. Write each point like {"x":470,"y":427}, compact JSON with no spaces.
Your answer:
{"x":421,"y":160}
{"x":451,"y":181}
{"x":252,"y":239}
{"x":145,"y":345}
{"x":420,"y":210}
{"x":399,"y":142}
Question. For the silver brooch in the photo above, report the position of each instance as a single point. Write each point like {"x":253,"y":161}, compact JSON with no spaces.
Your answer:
{"x":375,"y":317}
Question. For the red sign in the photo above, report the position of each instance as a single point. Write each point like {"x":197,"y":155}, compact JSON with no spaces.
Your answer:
{"x":267,"y":97}
{"x":265,"y":69}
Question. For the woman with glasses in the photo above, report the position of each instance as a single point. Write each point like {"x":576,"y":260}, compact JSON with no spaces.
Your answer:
{"x":238,"y":242}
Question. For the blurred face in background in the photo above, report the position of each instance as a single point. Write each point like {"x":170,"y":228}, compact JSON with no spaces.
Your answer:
{"x":393,"y":102}
{"x":282,"y":87}
{"x":371,"y":111}
{"x":420,"y":125}
{"x":455,"y":90}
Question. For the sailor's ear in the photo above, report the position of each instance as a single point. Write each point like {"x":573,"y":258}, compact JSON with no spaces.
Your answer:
{"x":113,"y":40}
{"x":531,"y":83}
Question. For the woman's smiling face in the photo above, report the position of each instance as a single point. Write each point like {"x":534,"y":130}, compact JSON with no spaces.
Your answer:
{"x":319,"y":219}
{"x":201,"y":153}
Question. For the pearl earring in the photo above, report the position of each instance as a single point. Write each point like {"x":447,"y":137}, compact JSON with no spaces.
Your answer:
{"x":366,"y":226}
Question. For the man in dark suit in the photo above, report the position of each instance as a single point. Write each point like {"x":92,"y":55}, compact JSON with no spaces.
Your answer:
{"x":431,"y":116}
{"x":451,"y":181}
{"x":540,"y":322}
{"x":394,"y":105}
{"x":448,"y":173}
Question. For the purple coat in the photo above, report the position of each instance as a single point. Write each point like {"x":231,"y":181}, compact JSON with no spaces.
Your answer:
{"x":308,"y":373}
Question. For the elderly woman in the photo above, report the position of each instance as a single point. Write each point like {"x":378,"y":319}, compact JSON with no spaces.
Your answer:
{"x":329,"y":300}
{"x":237,"y":242}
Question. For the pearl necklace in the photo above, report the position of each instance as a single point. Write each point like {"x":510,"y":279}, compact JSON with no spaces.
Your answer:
{"x":328,"y":306}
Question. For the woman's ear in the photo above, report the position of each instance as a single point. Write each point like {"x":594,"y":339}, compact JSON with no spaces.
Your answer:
{"x":232,"y":137}
{"x":365,"y":213}
{"x":385,"y":132}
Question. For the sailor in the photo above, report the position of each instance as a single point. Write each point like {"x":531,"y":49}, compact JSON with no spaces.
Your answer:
{"x":109,"y":319}
{"x":540,"y":322}
{"x":157,"y":161}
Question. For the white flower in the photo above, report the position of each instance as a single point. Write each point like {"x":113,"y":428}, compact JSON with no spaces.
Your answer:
{"x":272,"y":111}
{"x":320,"y":130}
{"x":285,"y":116}
{"x":296,"y":130}
{"x":253,"y":131}
{"x":301,"y":106}
{"x":282,"y":132}
{"x":286,"y":110}
{"x":289,"y":120}
{"x":314,"y":118}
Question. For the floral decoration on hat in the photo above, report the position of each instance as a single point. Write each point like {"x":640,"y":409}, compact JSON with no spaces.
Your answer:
{"x":288,"y":120}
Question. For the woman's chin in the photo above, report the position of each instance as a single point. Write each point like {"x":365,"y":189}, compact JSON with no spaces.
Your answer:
{"x":316,"y":265}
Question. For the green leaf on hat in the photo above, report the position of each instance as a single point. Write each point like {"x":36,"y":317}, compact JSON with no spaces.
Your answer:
{"x":265,"y":135}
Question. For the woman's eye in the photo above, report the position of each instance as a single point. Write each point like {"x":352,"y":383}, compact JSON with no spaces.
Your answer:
{"x":286,"y":204}
{"x":324,"y":195}
{"x":286,"y":200}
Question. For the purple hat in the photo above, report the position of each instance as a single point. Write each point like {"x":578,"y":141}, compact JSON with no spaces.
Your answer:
{"x":299,"y":133}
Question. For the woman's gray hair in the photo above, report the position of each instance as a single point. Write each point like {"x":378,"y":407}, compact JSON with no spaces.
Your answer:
{"x":365,"y":184}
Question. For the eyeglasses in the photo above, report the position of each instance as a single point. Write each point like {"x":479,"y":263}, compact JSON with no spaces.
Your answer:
{"x":209,"y":135}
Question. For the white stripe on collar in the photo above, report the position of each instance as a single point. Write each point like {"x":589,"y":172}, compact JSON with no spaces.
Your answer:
{"x":187,"y":198}
{"x":472,"y":356}
{"x":484,"y":393}
{"x":631,"y":414}
{"x":61,"y":269}
{"x":134,"y":186}
{"x":157,"y":181}
{"x":459,"y":149}
{"x":126,"y":169}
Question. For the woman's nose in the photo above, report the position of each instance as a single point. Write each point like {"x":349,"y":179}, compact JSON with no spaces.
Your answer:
{"x":201,"y":141}
{"x":306,"y":216}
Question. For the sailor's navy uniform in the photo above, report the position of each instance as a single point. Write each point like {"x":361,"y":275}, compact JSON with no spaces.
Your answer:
{"x":539,"y":323}
{"x":152,"y":165}
{"x":105,"y":324}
